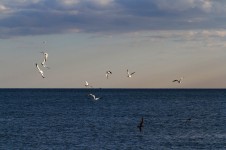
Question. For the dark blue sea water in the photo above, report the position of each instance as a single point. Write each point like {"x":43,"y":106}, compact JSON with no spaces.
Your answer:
{"x":69,"y":119}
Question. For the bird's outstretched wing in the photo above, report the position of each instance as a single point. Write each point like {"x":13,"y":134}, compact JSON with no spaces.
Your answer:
{"x":41,"y":72}
{"x":43,"y":65}
{"x":175,"y":81}
{"x":92,"y":96}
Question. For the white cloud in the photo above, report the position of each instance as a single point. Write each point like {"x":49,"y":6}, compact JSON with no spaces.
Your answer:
{"x":214,"y":33}
{"x":2,"y":8}
{"x":69,"y":2}
{"x":221,"y":33}
{"x":24,"y":17}
{"x":183,"y":5}
{"x":207,"y":38}
{"x":97,"y":2}
{"x":178,"y":5}
{"x":102,"y":2}
{"x":206,"y":5}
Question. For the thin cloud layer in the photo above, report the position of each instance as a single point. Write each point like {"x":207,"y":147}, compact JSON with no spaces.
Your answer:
{"x":35,"y":17}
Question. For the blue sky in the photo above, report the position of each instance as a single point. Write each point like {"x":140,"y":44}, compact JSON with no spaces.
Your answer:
{"x":158,"y":39}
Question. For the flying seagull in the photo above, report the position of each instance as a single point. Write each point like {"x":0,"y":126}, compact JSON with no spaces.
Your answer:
{"x":129,"y":74}
{"x":108,"y":73}
{"x":178,"y":81}
{"x":45,"y":59}
{"x":141,"y":124}
{"x":45,"y":55}
{"x":94,"y":97}
{"x":87,"y":84}
{"x":40,"y":70}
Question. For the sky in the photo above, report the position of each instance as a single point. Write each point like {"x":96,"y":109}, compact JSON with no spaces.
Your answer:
{"x":160,"y":40}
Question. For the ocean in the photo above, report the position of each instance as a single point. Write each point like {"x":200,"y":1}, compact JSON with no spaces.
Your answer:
{"x":69,"y":119}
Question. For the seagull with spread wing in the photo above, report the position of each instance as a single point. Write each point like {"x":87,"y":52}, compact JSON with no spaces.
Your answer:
{"x":87,"y":84}
{"x":108,"y":73}
{"x":94,"y":97}
{"x":178,"y":80}
{"x":129,"y":75}
{"x":45,"y":59}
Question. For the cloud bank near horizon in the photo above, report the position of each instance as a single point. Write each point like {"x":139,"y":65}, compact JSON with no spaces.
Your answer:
{"x":42,"y":17}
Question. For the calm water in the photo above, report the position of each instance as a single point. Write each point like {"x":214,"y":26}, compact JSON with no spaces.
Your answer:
{"x":69,"y":119}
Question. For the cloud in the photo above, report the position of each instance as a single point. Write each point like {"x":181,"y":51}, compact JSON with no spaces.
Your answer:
{"x":70,"y":2}
{"x":2,"y":8}
{"x":190,"y":38}
{"x":35,"y":17}
{"x":180,"y":6}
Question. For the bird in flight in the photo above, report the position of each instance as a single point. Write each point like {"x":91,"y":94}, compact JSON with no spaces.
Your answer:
{"x":129,"y":74}
{"x":41,"y":72}
{"x":87,"y":84}
{"x":108,"y":73}
{"x":45,"y":55}
{"x":141,"y":124}
{"x":45,"y":59}
{"x":178,"y":81}
{"x":94,"y":97}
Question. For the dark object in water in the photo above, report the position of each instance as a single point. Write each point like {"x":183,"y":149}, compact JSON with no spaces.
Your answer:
{"x":141,"y":124}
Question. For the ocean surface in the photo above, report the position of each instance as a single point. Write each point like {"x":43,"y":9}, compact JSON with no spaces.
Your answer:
{"x":58,"y":119}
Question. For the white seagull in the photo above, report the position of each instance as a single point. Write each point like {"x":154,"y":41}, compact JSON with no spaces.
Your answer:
{"x":94,"y":97}
{"x":129,"y":74}
{"x":45,"y":59}
{"x":40,"y":70}
{"x":87,"y":84}
{"x":45,"y":55}
{"x":178,"y":81}
{"x":108,"y":73}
